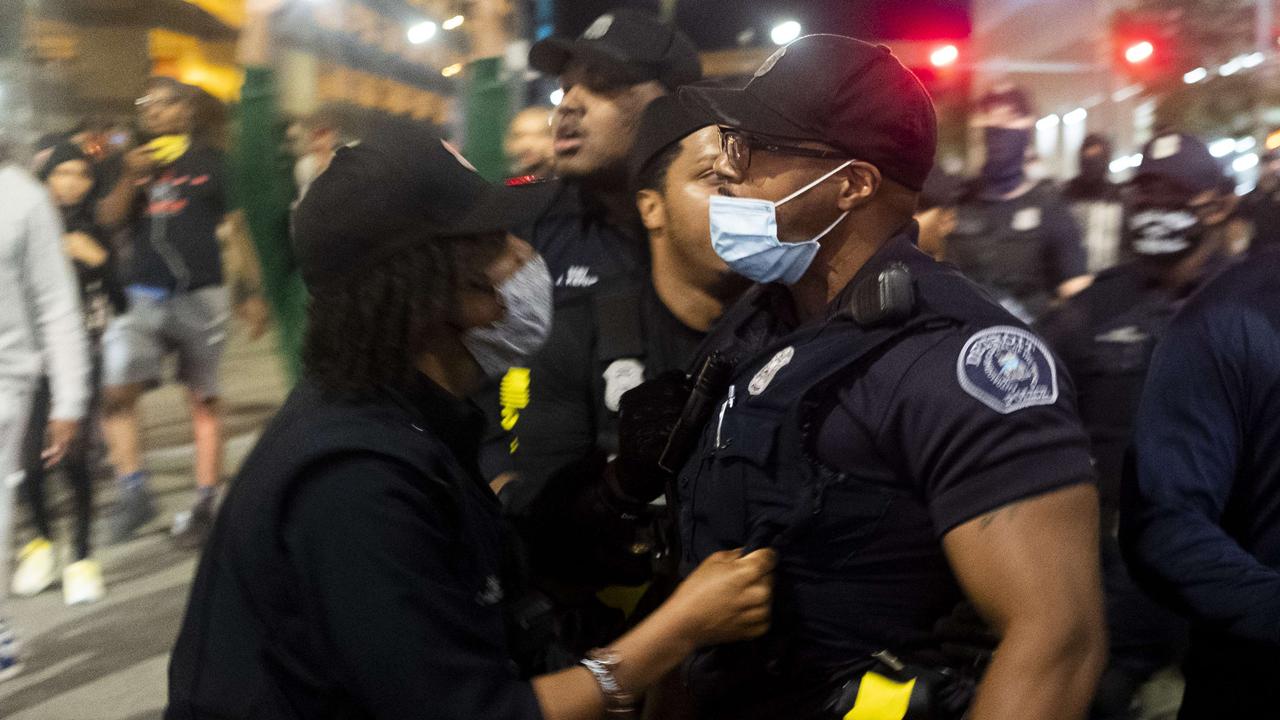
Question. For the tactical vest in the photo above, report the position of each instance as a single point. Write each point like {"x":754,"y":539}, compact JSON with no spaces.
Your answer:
{"x":756,"y":480}
{"x":1009,"y":258}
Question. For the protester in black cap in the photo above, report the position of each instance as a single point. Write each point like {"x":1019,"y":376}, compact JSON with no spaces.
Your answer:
{"x":1013,"y":234}
{"x":623,"y":60}
{"x":1095,"y":202}
{"x":1199,"y":520}
{"x":1261,"y":206}
{"x":901,"y":440}
{"x":560,"y":409}
{"x":1176,"y":234}
{"x":359,"y":568}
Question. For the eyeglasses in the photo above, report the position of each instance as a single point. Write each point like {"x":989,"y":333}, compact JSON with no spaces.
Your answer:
{"x":160,"y":100}
{"x":736,"y":146}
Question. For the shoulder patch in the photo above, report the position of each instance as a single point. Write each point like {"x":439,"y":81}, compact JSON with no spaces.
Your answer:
{"x":1007,"y":369}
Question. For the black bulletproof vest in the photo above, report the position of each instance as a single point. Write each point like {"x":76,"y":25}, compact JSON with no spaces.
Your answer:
{"x":245,"y":650}
{"x":1011,"y":262}
{"x":753,"y":480}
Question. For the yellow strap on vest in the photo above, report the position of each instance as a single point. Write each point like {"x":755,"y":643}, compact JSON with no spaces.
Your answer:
{"x":880,"y":698}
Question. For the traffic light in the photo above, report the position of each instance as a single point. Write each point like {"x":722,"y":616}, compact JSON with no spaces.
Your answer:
{"x":944,"y":56}
{"x":1139,"y":52}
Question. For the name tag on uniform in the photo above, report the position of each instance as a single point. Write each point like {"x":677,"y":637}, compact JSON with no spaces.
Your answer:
{"x":1026,"y":219}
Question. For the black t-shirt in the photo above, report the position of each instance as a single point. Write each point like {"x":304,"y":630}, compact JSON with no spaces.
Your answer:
{"x":174,"y":225}
{"x":583,"y":249}
{"x":1019,"y":249}
{"x":569,"y":392}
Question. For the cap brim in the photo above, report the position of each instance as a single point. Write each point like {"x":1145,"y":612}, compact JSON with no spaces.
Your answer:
{"x":550,"y":56}
{"x":739,"y":109}
{"x":503,"y":209}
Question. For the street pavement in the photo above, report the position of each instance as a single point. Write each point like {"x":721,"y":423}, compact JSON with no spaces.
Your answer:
{"x":109,"y":660}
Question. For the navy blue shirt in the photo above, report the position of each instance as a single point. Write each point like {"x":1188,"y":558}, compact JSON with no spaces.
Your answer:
{"x":1201,"y":522}
{"x":584,"y":250}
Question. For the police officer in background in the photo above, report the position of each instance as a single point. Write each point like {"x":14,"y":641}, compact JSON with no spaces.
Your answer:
{"x":899,"y":439}
{"x":1176,"y":233}
{"x":1013,"y":234}
{"x":561,"y":411}
{"x":626,"y":58}
{"x":1095,"y":200}
{"x":1200,"y":521}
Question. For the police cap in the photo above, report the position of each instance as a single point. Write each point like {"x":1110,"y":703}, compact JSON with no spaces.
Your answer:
{"x":638,"y":45}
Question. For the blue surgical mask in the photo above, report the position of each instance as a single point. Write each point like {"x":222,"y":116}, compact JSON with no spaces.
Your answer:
{"x":744,"y":233}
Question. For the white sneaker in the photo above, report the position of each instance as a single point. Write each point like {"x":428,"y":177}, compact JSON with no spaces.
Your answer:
{"x":82,"y":582}
{"x":37,"y":568}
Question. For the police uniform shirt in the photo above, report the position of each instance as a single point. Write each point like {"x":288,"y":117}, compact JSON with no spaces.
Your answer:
{"x":584,"y":250}
{"x":1020,"y":249}
{"x":1105,"y":336}
{"x":926,"y":441}
{"x":562,"y":406}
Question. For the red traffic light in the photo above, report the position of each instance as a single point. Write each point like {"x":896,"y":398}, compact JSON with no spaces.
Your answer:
{"x":944,"y":56}
{"x":1139,"y":52}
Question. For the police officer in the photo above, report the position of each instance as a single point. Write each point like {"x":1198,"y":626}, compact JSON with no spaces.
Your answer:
{"x":560,"y":409}
{"x":1199,"y":521}
{"x":1105,"y":336}
{"x":901,"y":440}
{"x":590,"y":235}
{"x":1096,"y":203}
{"x":1013,"y":234}
{"x":357,"y":568}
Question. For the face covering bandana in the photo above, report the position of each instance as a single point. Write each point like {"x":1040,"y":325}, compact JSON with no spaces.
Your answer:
{"x":1163,"y":233}
{"x":1003,"y":170}
{"x":166,"y":149}
{"x":522,"y":331}
{"x":744,"y":233}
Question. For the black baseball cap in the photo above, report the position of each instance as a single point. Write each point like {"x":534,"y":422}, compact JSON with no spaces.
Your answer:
{"x":401,"y":185}
{"x":664,"y":122}
{"x":836,"y":90}
{"x":1182,"y":158}
{"x":637,"y":44}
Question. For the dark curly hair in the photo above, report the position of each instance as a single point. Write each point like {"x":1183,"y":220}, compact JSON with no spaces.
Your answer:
{"x":368,"y":330}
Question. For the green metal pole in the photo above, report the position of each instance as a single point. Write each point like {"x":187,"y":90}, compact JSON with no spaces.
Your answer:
{"x":488,"y":96}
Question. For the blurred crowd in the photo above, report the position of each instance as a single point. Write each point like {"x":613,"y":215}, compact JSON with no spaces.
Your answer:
{"x":131,"y":241}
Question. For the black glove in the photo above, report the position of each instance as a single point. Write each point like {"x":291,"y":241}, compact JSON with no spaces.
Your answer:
{"x":646,"y":415}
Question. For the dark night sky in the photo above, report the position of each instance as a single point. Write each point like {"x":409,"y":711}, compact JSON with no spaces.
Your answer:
{"x":716,"y":23}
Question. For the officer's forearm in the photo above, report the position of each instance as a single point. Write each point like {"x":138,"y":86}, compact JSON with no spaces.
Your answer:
{"x":1044,"y":673}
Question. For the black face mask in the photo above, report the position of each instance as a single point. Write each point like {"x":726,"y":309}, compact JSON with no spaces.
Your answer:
{"x":1006,"y":153}
{"x":1094,"y":168}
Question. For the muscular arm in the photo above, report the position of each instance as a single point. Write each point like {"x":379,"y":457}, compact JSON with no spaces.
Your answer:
{"x":1031,"y":568}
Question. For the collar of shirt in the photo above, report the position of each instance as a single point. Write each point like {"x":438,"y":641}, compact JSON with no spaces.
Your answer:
{"x":456,"y":422}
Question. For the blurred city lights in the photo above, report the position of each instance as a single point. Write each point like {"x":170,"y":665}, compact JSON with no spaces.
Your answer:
{"x":1125,"y":93}
{"x":1245,"y":144}
{"x":1231,"y":67}
{"x":1251,"y":60}
{"x":1075,"y":116}
{"x":556,"y":96}
{"x":1245,"y":162}
{"x":785,"y":32}
{"x":945,"y":55}
{"x":1222,"y":147}
{"x":453,"y":23}
{"x":451,"y":70}
{"x":422,"y":32}
{"x":1128,"y":162}
{"x":1139,"y":52}
{"x":1194,"y":76}
{"x":1048,"y":122}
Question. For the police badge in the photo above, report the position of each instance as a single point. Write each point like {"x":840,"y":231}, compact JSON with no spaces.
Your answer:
{"x":1007,"y":369}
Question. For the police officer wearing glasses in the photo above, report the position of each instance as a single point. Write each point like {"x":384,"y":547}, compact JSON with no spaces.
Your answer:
{"x":898,"y":438}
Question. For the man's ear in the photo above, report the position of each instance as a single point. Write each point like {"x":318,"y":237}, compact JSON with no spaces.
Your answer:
{"x":861,"y":181}
{"x":652,"y":208}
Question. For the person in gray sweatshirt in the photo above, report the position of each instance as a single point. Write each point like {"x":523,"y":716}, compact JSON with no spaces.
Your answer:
{"x":41,"y":332}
